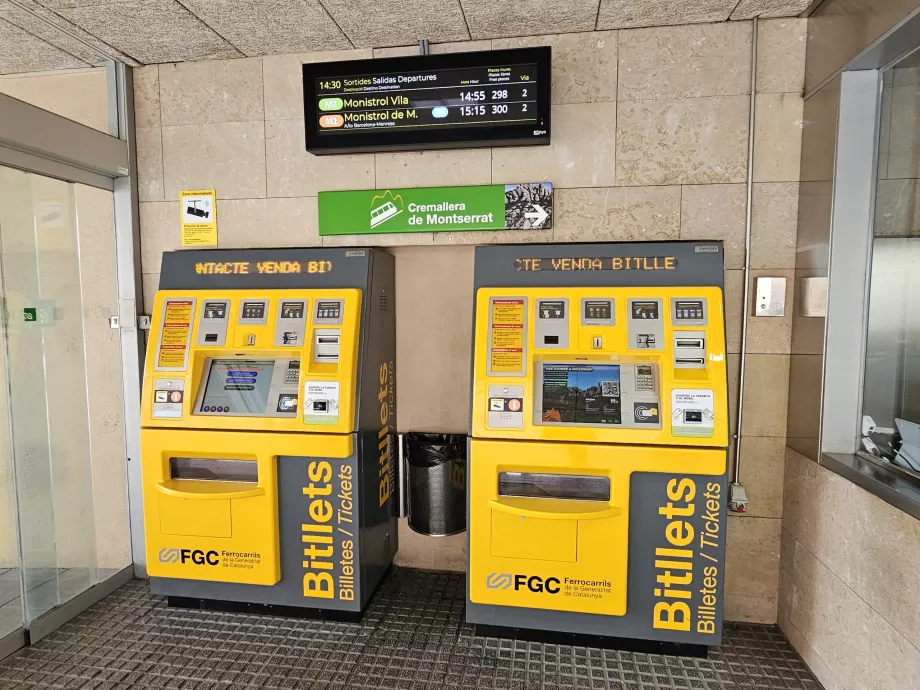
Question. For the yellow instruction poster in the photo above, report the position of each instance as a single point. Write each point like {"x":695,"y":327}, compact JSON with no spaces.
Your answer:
{"x":198,"y":211}
{"x":174,"y":338}
{"x":507,"y":347}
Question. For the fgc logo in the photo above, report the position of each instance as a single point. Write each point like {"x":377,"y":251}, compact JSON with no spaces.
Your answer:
{"x":198,"y":557}
{"x":534,"y":583}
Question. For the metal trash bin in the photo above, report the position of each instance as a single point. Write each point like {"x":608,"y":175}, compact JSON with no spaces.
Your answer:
{"x":436,"y":466}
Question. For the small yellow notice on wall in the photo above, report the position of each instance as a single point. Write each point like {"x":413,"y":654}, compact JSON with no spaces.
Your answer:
{"x":198,"y":210}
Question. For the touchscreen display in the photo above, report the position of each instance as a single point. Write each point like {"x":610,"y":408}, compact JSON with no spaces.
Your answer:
{"x":238,"y":386}
{"x":581,"y":394}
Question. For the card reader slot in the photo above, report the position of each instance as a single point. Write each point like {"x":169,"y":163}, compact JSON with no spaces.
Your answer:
{"x":690,"y":343}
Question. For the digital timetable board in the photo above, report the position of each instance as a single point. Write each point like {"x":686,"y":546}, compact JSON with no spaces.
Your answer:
{"x":493,"y":98}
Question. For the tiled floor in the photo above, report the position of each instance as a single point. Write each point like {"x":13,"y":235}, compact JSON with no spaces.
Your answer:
{"x":413,"y":636}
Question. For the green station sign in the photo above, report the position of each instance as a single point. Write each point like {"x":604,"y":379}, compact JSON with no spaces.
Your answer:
{"x":437,"y":209}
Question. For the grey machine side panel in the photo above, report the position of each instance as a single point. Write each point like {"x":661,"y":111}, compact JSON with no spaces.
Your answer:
{"x":377,"y":438}
{"x":646,"y":534}
{"x":503,"y":265}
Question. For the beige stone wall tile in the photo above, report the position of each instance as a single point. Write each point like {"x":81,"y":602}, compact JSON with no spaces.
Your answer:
{"x":291,"y":171}
{"x":733,"y":364}
{"x":716,"y":212}
{"x":897,"y":208}
{"x":584,"y":64}
{"x":771,"y":334}
{"x":581,"y":154}
{"x":763,"y":463}
{"x":151,"y":283}
{"x":734,"y":309}
{"x":433,"y":353}
{"x":881,"y":539}
{"x":903,"y":138}
{"x":805,"y":403}
{"x":396,"y":239}
{"x":228,"y":157}
{"x":289,"y":222}
{"x":434,"y":168}
{"x":752,"y":558}
{"x":617,"y":214}
{"x":837,"y":623}
{"x":682,"y":141}
{"x":496,"y":237}
{"x":147,"y":96}
{"x":799,"y":506}
{"x":149,"y":144}
{"x":781,"y":55}
{"x":283,"y":79}
{"x":430,"y":553}
{"x":435,"y":48}
{"x":159,"y":221}
{"x":739,"y":608}
{"x":786,"y":569}
{"x":685,"y":61}
{"x":774,"y":224}
{"x":766,"y":387}
{"x":777,"y":137}
{"x":816,"y":664}
{"x":211,"y":91}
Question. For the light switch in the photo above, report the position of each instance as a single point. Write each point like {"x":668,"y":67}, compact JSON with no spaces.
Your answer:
{"x":770,"y":296}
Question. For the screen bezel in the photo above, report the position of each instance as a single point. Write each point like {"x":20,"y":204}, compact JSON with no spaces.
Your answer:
{"x":439,"y":138}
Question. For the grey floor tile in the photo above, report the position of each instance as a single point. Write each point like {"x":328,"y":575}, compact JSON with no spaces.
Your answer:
{"x":413,"y":637}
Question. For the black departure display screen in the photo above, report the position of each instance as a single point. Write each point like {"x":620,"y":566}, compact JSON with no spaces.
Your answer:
{"x":432,"y":101}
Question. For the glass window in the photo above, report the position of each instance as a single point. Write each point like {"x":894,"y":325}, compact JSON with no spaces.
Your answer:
{"x":891,"y":392}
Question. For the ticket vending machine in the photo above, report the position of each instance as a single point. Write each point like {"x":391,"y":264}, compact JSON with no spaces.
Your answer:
{"x":268,"y":429}
{"x":599,"y":434}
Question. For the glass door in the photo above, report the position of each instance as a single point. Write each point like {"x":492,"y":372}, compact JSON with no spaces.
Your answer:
{"x":64,"y":401}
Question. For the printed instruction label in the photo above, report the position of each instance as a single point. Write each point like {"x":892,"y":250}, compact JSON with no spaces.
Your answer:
{"x":692,"y":412}
{"x":506,"y":349}
{"x":175,"y":334}
{"x":321,"y":402}
{"x":198,"y":210}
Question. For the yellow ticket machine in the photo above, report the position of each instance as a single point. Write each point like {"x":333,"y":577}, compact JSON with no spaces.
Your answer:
{"x":268,"y":429}
{"x":599,"y":436}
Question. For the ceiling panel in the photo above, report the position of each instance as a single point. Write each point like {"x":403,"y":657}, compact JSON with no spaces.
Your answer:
{"x":271,"y":27}
{"x":748,"y":9}
{"x":20,"y":51}
{"x":40,"y":28}
{"x":492,"y":19}
{"x":150,"y":31}
{"x":625,"y":14}
{"x":378,"y":23}
{"x":66,"y":31}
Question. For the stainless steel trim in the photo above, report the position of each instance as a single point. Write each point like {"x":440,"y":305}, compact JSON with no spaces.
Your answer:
{"x":130,"y":307}
{"x":48,"y":167}
{"x":736,"y":478}
{"x":850,"y":256}
{"x":12,"y":642}
{"x":33,"y":130}
{"x":58,"y":616}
